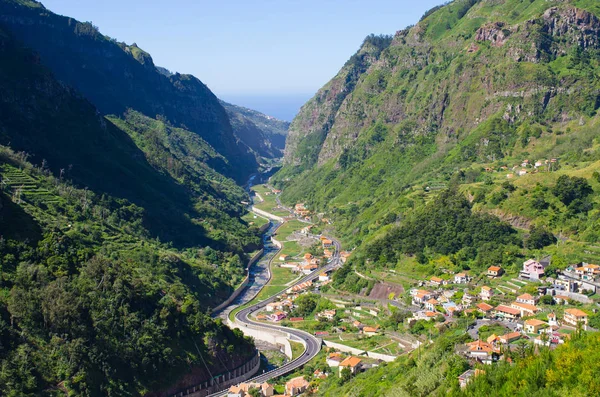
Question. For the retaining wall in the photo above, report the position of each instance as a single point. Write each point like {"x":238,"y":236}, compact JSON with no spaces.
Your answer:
{"x":358,"y":352}
{"x":243,"y":285}
{"x":266,"y":214}
{"x":268,"y":335}
{"x":225,"y":380}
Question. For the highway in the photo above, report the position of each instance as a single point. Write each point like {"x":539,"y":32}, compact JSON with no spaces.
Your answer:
{"x":311,"y":343}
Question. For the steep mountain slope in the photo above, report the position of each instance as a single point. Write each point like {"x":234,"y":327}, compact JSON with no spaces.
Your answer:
{"x":64,"y":133}
{"x":116,"y":77}
{"x":474,"y":84}
{"x":265,"y":135}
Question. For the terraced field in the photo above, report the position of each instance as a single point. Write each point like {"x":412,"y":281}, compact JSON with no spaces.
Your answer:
{"x":25,"y":187}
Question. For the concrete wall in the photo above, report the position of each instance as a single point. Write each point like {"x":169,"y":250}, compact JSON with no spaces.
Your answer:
{"x":267,"y":215}
{"x":243,"y":285}
{"x":358,"y":352}
{"x":223,"y":381}
{"x":268,"y":335}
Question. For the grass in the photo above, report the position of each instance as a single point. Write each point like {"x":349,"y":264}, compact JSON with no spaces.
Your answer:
{"x":297,"y":349}
{"x":252,"y":218}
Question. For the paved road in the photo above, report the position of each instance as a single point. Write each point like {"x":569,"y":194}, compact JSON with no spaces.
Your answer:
{"x":311,"y":343}
{"x":473,"y":330}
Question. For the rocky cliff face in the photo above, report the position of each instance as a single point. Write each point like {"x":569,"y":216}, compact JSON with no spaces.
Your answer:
{"x":427,"y":77}
{"x":117,"y":77}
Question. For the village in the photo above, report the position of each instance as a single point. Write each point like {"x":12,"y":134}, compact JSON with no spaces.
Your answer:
{"x":504,"y":311}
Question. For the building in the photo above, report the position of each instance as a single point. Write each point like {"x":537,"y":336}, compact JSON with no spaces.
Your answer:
{"x":576,"y":316}
{"x":420,"y":296}
{"x":534,"y":326}
{"x":587,"y":271}
{"x":467,"y":300}
{"x":370,"y":331}
{"x":296,"y":386}
{"x":486,"y":293}
{"x":277,"y":316}
{"x":344,"y":255}
{"x":461,"y":278}
{"x":509,"y":338}
{"x":534,"y":270}
{"x":327,"y":243}
{"x":467,"y":376}
{"x":436,"y":281}
{"x":552,"y":320}
{"x":352,"y":363}
{"x":485,"y":308}
{"x":525,"y":308}
{"x":374,"y":311}
{"x":334,"y":359}
{"x":431,"y":304}
{"x":495,"y":271}
{"x":527,"y":298}
{"x":241,"y":390}
{"x":323,"y":277}
{"x":283,"y":257}
{"x":327,"y":314}
{"x":481,"y":351}
{"x":506,"y":312}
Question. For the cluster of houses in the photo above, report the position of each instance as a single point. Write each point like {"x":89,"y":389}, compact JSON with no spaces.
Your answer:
{"x":301,"y":211}
{"x":243,"y":389}
{"x":527,"y":167}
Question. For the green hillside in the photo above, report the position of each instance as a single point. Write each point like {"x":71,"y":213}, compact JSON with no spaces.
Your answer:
{"x":473,"y":85}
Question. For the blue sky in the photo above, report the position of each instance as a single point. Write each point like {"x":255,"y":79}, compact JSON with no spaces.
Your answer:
{"x":248,"y":47}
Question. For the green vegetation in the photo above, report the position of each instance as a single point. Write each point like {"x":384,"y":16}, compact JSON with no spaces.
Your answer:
{"x":89,"y":301}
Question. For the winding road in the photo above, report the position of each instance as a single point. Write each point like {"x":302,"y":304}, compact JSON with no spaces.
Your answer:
{"x":311,"y":343}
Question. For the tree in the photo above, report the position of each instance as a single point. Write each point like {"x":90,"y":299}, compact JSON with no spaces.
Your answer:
{"x":539,"y":238}
{"x":254,"y":392}
{"x":345,"y":375}
{"x":569,"y":189}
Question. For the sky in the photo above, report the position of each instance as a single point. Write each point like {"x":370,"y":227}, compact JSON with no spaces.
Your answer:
{"x":274,"y":49}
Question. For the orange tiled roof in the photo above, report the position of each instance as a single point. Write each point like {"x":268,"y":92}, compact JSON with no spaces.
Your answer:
{"x":350,"y":362}
{"x":576,"y":312}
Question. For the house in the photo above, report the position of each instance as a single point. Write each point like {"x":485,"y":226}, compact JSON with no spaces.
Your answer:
{"x":326,"y":314}
{"x":327,"y":243}
{"x":506,"y":312}
{"x":308,"y":256}
{"x":525,"y":308}
{"x":277,"y":316}
{"x":534,"y":270}
{"x":420,"y":296}
{"x":431,"y":304}
{"x":320,"y":374}
{"x":587,"y":271}
{"x":241,"y":390}
{"x":344,"y":255}
{"x":467,"y":376}
{"x":327,"y":253}
{"x":334,"y":359}
{"x":492,"y":339}
{"x":510,"y":176}
{"x":357,"y":324}
{"x":495,"y":271}
{"x":273,"y":306}
{"x":467,"y":299}
{"x":576,"y":316}
{"x":552,"y":320}
{"x":481,"y":351}
{"x":522,"y":172}
{"x":370,"y":331}
{"x":352,"y":363}
{"x":436,"y":281}
{"x":323,"y":277}
{"x":534,"y":326}
{"x":486,"y":293}
{"x":509,"y":338}
{"x":308,"y":269}
{"x":561,"y":299}
{"x":283,"y":257}
{"x":296,"y":319}
{"x":296,"y":386}
{"x":527,"y":298}
{"x":461,"y":278}
{"x":485,"y":308}
{"x":261,"y":317}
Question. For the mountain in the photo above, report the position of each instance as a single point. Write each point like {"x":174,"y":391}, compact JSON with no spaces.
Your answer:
{"x":265,"y":135}
{"x":116,"y":77}
{"x":474,"y":85}
{"x":118,"y":232}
